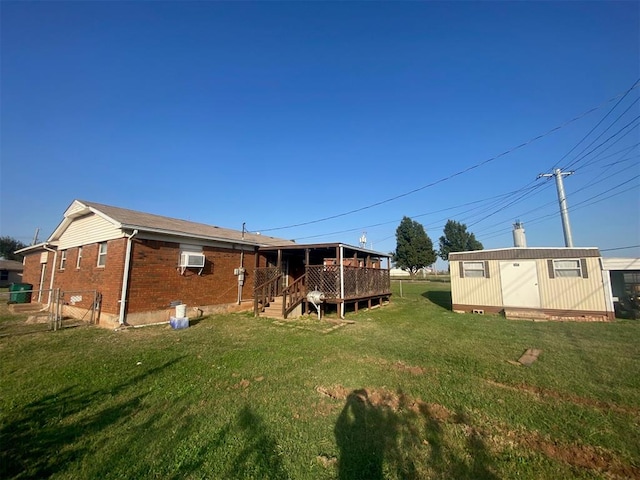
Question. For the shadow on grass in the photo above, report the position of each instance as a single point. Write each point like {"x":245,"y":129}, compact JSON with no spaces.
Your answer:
{"x":387,"y":435}
{"x":41,"y":438}
{"x":439,"y":297}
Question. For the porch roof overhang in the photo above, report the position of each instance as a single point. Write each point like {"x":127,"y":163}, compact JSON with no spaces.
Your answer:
{"x":323,"y":246}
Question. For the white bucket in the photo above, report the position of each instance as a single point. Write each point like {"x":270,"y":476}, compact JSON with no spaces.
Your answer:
{"x":181,"y":311}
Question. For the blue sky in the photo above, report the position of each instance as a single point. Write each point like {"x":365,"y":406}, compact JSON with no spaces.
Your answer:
{"x":284,"y":113}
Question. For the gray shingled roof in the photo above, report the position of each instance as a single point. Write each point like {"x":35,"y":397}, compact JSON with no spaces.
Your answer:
{"x":11,"y":265}
{"x":150,"y":222}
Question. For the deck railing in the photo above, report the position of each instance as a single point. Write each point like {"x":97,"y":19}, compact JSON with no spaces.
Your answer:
{"x":267,"y":286}
{"x":358,"y":282}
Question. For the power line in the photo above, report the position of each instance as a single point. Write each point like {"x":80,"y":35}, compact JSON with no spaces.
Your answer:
{"x":363,"y":227}
{"x":618,"y":248}
{"x":599,"y":123}
{"x":578,"y":160}
{"x":577,"y":206}
{"x":448,"y":177}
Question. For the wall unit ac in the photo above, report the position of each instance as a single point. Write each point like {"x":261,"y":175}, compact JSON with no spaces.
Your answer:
{"x":191,"y":260}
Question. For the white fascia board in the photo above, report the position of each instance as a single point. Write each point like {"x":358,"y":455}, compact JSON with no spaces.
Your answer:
{"x":75,"y":210}
{"x":163,"y":236}
{"x":33,"y":248}
{"x":115,"y":223}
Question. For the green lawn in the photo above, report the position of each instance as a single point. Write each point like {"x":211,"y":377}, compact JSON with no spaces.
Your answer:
{"x":409,"y":391}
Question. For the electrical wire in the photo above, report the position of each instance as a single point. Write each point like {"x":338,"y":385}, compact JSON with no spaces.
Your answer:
{"x":618,"y":248}
{"x":451,"y":176}
{"x":599,"y":123}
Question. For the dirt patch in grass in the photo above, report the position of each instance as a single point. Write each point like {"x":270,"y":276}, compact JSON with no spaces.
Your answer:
{"x":583,"y":456}
{"x":399,"y":365}
{"x":327,"y":461}
{"x":588,"y":402}
{"x":382,"y":397}
{"x":311,"y":325}
{"x":499,"y":437}
{"x":408,"y":368}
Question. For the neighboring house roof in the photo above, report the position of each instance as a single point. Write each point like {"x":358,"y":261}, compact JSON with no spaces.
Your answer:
{"x":621,"y":263}
{"x":11,"y":265}
{"x":525,"y":253}
{"x":130,"y":220}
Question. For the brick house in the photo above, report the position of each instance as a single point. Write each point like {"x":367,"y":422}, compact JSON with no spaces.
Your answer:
{"x":143,"y":264}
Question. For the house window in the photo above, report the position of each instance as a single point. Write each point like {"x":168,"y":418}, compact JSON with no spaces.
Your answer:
{"x":474,"y":269}
{"x":79,"y":259}
{"x":4,"y":275}
{"x":567,"y":268}
{"x":102,"y":254}
{"x":63,"y":259}
{"x":631,"y":277}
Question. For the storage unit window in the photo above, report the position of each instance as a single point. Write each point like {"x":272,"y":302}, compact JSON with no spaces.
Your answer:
{"x":474,"y":269}
{"x":102,"y":254}
{"x":568,"y":268}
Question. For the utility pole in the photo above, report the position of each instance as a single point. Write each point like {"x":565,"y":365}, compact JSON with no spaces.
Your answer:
{"x":562,"y":200}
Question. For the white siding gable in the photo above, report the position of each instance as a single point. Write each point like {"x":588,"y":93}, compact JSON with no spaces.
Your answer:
{"x":86,"y":230}
{"x":76,"y":206}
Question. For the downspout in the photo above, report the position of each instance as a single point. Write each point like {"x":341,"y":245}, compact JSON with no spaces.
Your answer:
{"x":241,"y":271}
{"x":125,"y":277}
{"x":341,"y":281}
{"x":53,"y":271}
{"x":241,"y":275}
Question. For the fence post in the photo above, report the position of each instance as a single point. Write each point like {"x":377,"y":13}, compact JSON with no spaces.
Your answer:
{"x":93,"y":306}
{"x":59,"y":316}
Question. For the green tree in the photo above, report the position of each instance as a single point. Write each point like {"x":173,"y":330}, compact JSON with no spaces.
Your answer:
{"x":8,"y":245}
{"x":457,"y":239}
{"x":414,"y":248}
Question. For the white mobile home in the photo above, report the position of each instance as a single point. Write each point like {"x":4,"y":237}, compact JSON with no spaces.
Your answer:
{"x":548,"y":283}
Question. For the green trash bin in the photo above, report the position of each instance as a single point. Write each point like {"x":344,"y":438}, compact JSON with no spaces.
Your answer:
{"x":20,"y":292}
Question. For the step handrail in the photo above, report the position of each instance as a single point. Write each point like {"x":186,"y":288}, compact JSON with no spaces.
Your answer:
{"x":266,"y":292}
{"x":293,"y":295}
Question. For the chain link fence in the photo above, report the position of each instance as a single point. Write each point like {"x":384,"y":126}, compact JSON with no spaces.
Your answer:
{"x":22,"y":313}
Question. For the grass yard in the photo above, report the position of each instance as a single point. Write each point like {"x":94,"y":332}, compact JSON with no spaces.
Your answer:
{"x":410,"y":391}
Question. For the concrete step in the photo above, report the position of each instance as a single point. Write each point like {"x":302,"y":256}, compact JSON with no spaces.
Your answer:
{"x":26,"y":307}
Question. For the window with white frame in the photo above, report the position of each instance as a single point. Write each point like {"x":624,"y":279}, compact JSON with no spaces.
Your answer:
{"x":63,"y":259}
{"x":567,"y":268}
{"x":474,"y":269}
{"x":102,"y":254}
{"x":79,"y":259}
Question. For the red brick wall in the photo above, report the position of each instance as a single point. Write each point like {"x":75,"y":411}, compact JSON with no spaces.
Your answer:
{"x":106,"y":280}
{"x":32,"y":270}
{"x":155,"y":279}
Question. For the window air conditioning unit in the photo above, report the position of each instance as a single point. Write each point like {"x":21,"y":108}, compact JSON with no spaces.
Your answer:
{"x":192,"y":259}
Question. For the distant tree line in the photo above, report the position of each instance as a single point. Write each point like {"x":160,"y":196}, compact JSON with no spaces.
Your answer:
{"x":8,"y":245}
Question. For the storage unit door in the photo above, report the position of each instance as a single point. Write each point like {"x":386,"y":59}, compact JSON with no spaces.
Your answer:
{"x":519,"y":282}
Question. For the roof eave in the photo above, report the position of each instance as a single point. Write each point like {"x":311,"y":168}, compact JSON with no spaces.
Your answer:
{"x":175,"y":233}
